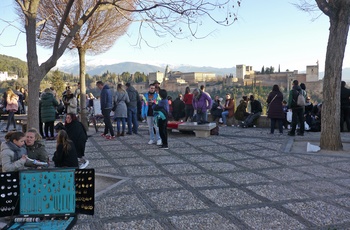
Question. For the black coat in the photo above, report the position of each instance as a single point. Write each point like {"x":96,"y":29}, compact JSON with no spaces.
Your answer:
{"x":63,"y":159}
{"x":77,"y":134}
{"x":275,"y":105}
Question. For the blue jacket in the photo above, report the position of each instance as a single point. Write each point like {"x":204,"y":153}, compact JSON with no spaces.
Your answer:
{"x":106,"y":98}
{"x":144,"y":110}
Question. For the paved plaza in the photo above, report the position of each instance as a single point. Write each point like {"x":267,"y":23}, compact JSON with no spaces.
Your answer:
{"x":241,"y":179}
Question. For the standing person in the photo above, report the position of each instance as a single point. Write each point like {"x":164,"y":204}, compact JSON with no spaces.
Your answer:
{"x":106,"y":108}
{"x":255,"y":113}
{"x":20,"y":95}
{"x":25,"y":98}
{"x":178,"y":108}
{"x":157,"y":86}
{"x":188,"y":98}
{"x":275,"y":109}
{"x":77,"y":134}
{"x":132,"y":109}
{"x":344,"y":107}
{"x":13,"y":152}
{"x":120,"y":109}
{"x":35,"y":148}
{"x":161,"y":111}
{"x":70,"y":103}
{"x":298,"y":111}
{"x":229,"y":109}
{"x":150,"y":98}
{"x":11,"y":107}
{"x":201,"y":103}
{"x":48,"y":105}
{"x":65,"y":154}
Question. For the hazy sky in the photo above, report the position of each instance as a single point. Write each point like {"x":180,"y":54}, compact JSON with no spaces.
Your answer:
{"x":267,"y":33}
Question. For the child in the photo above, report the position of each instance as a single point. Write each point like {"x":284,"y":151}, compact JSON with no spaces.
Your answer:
{"x":161,"y":111}
{"x":65,"y":154}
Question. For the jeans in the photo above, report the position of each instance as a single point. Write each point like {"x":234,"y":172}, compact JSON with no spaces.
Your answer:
{"x":11,"y":119}
{"x":132,"y":120}
{"x":120,"y":120}
{"x":298,"y":117}
{"x":150,"y":123}
{"x":280,"y":125}
{"x":224,"y":116}
{"x":251,"y":118}
{"x":107,"y":120}
{"x":203,"y":116}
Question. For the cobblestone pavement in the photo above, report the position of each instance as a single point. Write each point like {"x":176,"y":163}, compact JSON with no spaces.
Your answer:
{"x":241,"y":179}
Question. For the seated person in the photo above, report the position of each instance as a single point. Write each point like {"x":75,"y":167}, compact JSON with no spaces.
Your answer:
{"x":178,"y":106}
{"x":216,"y":108}
{"x":65,"y":154}
{"x":229,"y":108}
{"x":254,"y":114}
{"x":13,"y":152}
{"x":316,"y":118}
{"x":308,"y":111}
{"x":241,"y":111}
{"x":36,"y":151}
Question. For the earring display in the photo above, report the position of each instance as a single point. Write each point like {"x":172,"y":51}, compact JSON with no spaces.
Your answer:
{"x":85,"y":190}
{"x":9,"y":193}
{"x":46,"y":199}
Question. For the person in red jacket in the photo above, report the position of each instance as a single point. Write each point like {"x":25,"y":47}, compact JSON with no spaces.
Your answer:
{"x":229,"y":109}
{"x":188,"y":98}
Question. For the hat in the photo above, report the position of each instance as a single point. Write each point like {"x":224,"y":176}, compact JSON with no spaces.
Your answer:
{"x":156,"y":82}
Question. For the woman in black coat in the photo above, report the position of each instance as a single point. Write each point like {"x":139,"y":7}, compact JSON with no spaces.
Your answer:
{"x":275,"y":109}
{"x":77,"y":134}
{"x":65,"y":154}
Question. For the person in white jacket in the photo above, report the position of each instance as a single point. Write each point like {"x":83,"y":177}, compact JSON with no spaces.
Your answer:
{"x":13,"y":152}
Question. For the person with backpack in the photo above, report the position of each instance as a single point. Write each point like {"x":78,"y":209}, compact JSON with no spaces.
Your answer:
{"x":297,"y":108}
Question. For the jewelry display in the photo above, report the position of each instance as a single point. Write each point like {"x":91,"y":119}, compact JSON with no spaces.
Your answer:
{"x":46,"y":199}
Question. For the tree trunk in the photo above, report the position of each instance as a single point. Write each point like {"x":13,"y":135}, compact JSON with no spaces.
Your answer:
{"x":35,"y":74}
{"x":338,"y":33}
{"x":82,"y":70}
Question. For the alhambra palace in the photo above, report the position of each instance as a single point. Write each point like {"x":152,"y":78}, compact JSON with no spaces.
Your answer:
{"x":245,"y":75}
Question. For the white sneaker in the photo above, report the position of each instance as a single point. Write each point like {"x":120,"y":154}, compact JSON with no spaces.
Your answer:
{"x":159,"y":142}
{"x":84,"y":165}
{"x":151,"y":142}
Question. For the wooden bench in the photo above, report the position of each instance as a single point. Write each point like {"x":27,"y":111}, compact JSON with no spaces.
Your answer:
{"x":202,"y":130}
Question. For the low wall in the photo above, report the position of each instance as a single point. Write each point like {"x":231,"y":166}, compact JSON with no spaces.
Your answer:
{"x":261,"y":122}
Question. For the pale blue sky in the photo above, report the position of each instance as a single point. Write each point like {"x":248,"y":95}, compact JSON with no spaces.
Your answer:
{"x":267,"y":33}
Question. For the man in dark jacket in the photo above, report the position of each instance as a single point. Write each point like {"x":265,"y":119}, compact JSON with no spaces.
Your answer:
{"x":106,"y":108}
{"x":297,"y":111}
{"x":178,"y":108}
{"x":132,"y":109}
{"x":344,"y":107}
{"x":255,"y":113}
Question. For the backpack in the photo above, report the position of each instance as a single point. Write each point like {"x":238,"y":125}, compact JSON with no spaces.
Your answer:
{"x":215,"y":131}
{"x":298,"y":98}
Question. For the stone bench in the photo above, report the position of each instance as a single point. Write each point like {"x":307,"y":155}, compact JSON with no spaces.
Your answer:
{"x":202,"y":130}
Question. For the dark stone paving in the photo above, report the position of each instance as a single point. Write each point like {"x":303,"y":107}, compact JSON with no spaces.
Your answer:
{"x":241,"y":179}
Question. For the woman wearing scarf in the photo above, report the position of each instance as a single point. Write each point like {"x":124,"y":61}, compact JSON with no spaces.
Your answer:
{"x":13,"y":152}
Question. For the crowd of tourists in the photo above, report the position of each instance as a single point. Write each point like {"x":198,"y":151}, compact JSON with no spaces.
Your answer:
{"x":155,"y":107}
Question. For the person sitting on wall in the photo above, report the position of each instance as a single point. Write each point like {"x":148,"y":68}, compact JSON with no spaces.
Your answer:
{"x":255,"y":113}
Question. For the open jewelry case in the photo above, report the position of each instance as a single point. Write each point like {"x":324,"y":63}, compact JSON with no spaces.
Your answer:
{"x":46,"y":199}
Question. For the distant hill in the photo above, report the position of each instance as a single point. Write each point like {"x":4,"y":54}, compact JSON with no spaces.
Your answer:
{"x":13,"y":65}
{"x":133,"y":67}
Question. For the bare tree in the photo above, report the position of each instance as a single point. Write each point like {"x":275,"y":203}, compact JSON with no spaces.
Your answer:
{"x":96,"y":36}
{"x":338,"y":12}
{"x":161,"y":16}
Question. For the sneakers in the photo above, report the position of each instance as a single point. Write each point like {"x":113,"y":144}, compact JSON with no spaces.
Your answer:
{"x":103,"y":135}
{"x":151,"y":142}
{"x":110,"y":137}
{"x":159,"y":142}
{"x":163,"y":147}
{"x":84,"y":164}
